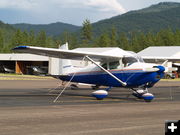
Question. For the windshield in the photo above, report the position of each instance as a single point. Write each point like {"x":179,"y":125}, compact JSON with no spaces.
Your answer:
{"x":129,"y":60}
{"x":113,"y":65}
{"x":140,"y":59}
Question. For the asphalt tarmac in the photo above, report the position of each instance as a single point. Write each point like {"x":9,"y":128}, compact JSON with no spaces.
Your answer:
{"x":27,"y":107}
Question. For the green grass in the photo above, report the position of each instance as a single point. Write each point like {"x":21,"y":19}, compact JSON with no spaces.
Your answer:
{"x":177,"y":79}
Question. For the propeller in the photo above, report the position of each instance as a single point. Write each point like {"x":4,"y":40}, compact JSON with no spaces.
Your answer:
{"x":168,"y":69}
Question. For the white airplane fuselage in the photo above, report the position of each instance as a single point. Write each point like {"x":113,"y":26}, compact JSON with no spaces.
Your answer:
{"x":134,"y":75}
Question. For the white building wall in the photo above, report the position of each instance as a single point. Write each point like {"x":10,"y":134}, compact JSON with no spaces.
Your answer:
{"x":57,"y":66}
{"x":54,"y":65}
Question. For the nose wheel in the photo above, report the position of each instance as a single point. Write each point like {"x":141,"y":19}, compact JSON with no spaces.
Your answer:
{"x":143,"y":94}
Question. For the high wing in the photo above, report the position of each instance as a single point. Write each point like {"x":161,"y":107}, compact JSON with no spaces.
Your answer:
{"x":71,"y":54}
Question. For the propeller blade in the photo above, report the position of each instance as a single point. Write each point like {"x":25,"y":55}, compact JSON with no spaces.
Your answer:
{"x":170,"y":69}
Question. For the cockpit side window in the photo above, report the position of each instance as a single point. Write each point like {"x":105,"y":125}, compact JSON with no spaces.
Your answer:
{"x":104,"y":65}
{"x":113,"y":65}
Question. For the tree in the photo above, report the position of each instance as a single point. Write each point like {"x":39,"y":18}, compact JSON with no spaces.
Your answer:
{"x":41,"y":39}
{"x":150,"y":39}
{"x":86,"y":31}
{"x":49,"y":42}
{"x":16,"y":39}
{"x":25,"y":37}
{"x":177,"y":37}
{"x":73,"y":42}
{"x":104,"y":40}
{"x":113,"y":36}
{"x":31,"y":38}
{"x":65,"y":36}
{"x":1,"y":40}
{"x":123,"y":41}
{"x":134,"y":42}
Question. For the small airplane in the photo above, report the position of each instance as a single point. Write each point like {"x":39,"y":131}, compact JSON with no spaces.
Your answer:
{"x":37,"y":70}
{"x":113,"y":68}
{"x":6,"y":69}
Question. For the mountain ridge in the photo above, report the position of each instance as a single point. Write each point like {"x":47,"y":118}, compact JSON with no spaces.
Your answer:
{"x":153,"y":18}
{"x":52,"y":29}
{"x":143,"y":20}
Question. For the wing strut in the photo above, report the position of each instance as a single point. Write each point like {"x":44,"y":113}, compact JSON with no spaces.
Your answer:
{"x":123,"y":83}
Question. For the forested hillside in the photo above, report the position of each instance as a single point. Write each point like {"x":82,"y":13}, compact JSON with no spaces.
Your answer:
{"x":153,"y":18}
{"x":11,"y":37}
{"x":6,"y":27}
{"x":6,"y":32}
{"x":158,"y":25}
{"x":53,"y":29}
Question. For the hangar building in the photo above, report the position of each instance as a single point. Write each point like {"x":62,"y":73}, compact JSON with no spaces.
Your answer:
{"x":158,"y":54}
{"x":23,"y":63}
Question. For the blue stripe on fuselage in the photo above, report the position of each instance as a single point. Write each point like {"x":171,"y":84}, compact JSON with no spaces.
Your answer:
{"x":133,"y":78}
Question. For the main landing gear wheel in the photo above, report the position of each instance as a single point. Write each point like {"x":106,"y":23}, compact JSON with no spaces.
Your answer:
{"x":100,"y":94}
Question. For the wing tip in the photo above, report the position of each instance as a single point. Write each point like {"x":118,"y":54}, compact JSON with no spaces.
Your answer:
{"x":20,"y":47}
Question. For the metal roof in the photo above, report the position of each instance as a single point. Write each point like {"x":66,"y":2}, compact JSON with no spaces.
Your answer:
{"x":161,"y":51}
{"x":22,"y":57}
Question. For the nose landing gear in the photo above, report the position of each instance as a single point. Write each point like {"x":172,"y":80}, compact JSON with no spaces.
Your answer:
{"x":143,"y":94}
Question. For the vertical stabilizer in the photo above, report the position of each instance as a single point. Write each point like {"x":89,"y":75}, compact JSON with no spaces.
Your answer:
{"x":60,"y":66}
{"x":65,"y":64}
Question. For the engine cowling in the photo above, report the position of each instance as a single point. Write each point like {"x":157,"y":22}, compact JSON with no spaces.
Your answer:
{"x":100,"y":94}
{"x":161,"y":68}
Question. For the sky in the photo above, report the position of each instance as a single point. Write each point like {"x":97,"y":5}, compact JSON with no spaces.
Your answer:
{"x":67,"y":11}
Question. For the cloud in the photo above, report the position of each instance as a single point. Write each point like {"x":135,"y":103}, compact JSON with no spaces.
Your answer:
{"x":68,"y":11}
{"x":106,"y":5}
{"x":98,"y":5}
{"x":17,"y":4}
